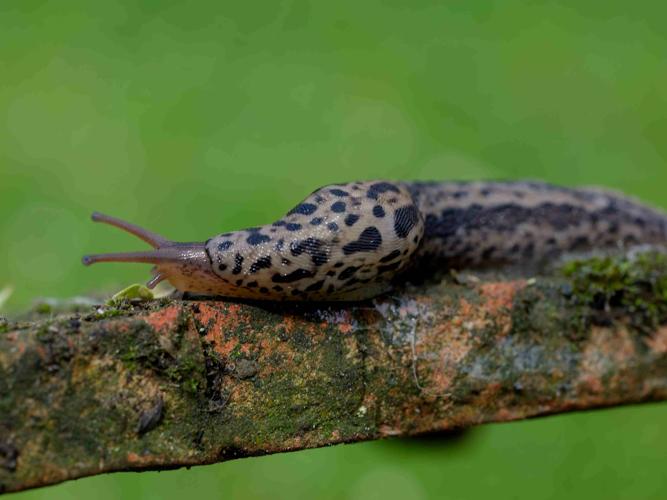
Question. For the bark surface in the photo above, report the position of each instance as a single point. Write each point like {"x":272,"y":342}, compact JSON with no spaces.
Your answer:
{"x":167,"y":383}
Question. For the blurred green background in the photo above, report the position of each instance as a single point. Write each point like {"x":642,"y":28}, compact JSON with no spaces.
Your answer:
{"x":194,"y":118}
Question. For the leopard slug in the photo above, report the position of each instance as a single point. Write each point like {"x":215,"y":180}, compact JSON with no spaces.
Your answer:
{"x":350,"y":241}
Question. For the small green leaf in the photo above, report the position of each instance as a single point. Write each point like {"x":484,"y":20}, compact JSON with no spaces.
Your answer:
{"x":132,"y":292}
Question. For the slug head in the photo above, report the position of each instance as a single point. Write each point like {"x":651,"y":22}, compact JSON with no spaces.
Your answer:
{"x":185,"y":265}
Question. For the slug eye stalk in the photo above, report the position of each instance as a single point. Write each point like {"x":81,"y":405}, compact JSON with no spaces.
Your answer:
{"x":165,"y":252}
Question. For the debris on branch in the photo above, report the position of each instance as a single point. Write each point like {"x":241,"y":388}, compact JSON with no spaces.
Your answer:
{"x":169,"y":383}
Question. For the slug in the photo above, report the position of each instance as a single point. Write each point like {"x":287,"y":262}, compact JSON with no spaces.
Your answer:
{"x":350,"y":241}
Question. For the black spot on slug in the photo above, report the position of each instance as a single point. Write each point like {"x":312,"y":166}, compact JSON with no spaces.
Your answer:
{"x":278,"y":288}
{"x":348,"y":272}
{"x":405,"y":218}
{"x":332,"y":226}
{"x":339,"y":192}
{"x":316,"y":221}
{"x":264,"y":290}
{"x":388,"y":267}
{"x":292,"y":226}
{"x":486,"y":254}
{"x":331,"y":273}
{"x":225,"y":245}
{"x":222,"y":267}
{"x":308,"y":246}
{"x":312,"y":247}
{"x":257,"y":239}
{"x":579,"y":243}
{"x":391,"y":256}
{"x":380,"y":187}
{"x":239,"y":282}
{"x":297,"y":275}
{"x":303,"y":208}
{"x":297,"y":248}
{"x":339,"y":264}
{"x":252,"y":284}
{"x":315,"y":286}
{"x":351,"y":219}
{"x":507,"y":216}
{"x":238,"y":262}
{"x":378,"y":211}
{"x":369,"y":239}
{"x":279,"y":223}
{"x":261,"y":263}
{"x":319,"y":258}
{"x":286,"y":262}
{"x":529,"y":250}
{"x":338,"y":207}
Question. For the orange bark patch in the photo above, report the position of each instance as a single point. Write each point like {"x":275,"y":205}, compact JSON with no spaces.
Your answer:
{"x":658,"y":341}
{"x":345,"y":328}
{"x":218,"y":321}
{"x":606,"y":352}
{"x":388,"y":430}
{"x":500,"y":295}
{"x":288,"y":324}
{"x":135,"y":458}
{"x":499,"y":298}
{"x":457,"y":348}
{"x":437,"y":374}
{"x":465,"y":308}
{"x":163,"y":320}
{"x":590,"y":384}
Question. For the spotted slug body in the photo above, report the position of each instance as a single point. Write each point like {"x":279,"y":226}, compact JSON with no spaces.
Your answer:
{"x":350,"y":241}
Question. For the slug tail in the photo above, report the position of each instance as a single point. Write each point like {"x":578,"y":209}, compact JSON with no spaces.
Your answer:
{"x":153,"y":239}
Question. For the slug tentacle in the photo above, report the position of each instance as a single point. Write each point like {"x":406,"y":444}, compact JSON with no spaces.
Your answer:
{"x":173,"y":253}
{"x":153,"y":239}
{"x":180,"y":263}
{"x":152,"y":283}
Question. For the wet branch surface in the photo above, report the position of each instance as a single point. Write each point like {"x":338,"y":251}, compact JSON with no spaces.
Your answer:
{"x":164,"y":384}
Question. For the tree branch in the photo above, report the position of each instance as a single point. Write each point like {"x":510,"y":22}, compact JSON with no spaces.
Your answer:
{"x":164,"y":384}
